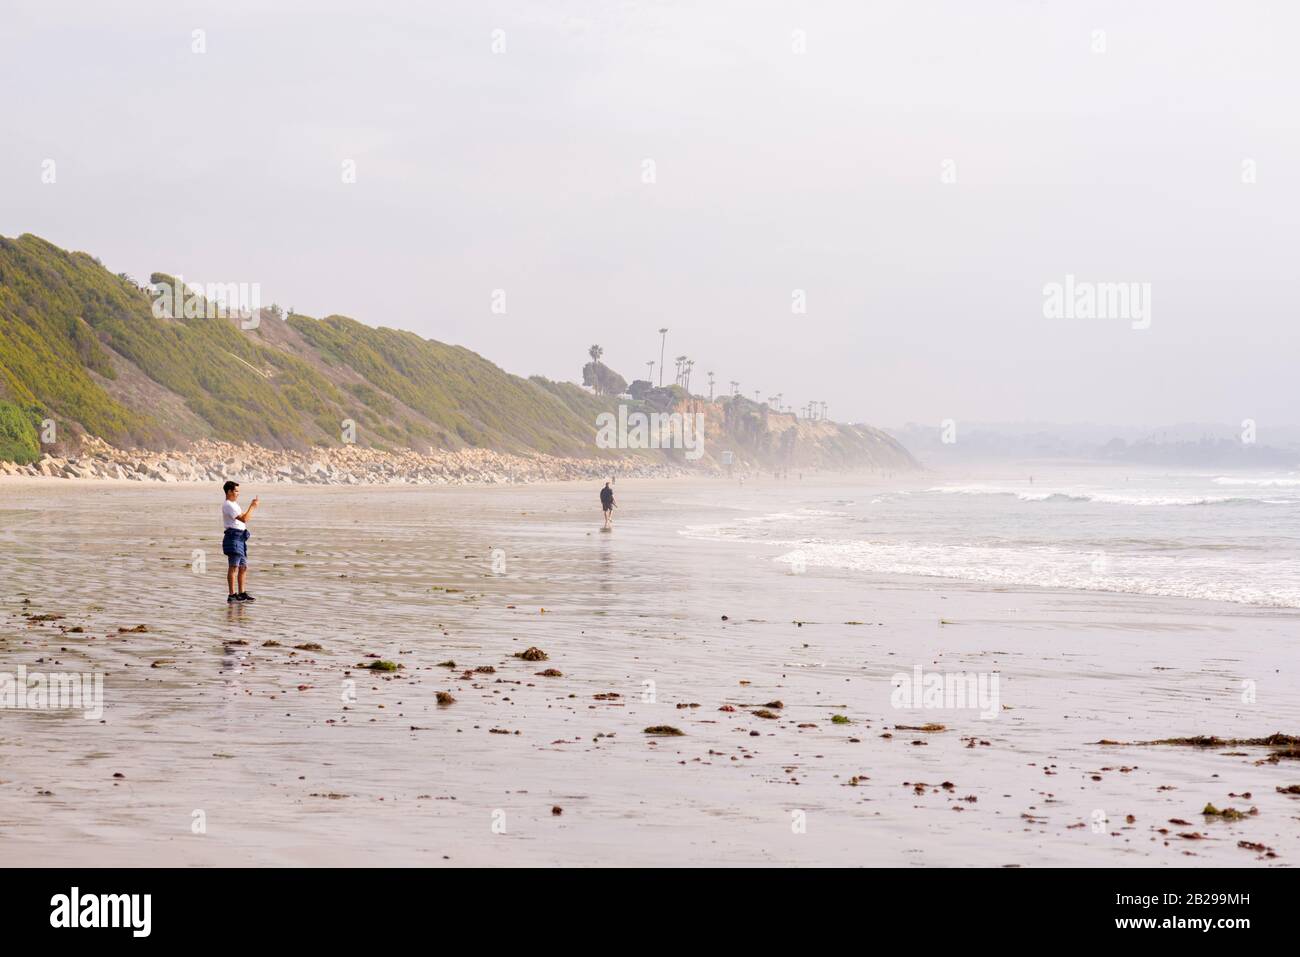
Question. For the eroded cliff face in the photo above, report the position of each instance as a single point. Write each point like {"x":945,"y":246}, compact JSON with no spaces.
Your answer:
{"x":759,"y":438}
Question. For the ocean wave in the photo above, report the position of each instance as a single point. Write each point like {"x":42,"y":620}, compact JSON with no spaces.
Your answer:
{"x":1050,"y":567}
{"x":1259,"y":482}
{"x":1109,"y":498}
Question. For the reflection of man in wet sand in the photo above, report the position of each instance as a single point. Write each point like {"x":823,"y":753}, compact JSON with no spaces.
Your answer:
{"x":607,"y":504}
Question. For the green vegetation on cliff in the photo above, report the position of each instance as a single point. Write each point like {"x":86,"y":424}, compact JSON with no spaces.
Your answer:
{"x":87,"y":350}
{"x":74,"y":334}
{"x":19,"y":440}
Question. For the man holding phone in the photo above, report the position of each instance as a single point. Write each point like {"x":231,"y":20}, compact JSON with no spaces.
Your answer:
{"x":234,"y":542}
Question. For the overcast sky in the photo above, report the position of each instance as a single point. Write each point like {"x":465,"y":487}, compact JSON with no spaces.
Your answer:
{"x":1116,"y":156}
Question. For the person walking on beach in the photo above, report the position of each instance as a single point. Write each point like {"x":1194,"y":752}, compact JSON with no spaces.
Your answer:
{"x":607,"y":504}
{"x":234,"y":541}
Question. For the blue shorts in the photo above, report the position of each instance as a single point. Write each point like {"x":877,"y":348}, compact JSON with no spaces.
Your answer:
{"x":234,"y":545}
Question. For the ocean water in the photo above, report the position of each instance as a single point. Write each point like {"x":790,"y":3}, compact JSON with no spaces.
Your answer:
{"x":1204,"y":535}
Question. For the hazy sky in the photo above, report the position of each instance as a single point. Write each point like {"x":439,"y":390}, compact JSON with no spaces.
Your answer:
{"x":775,"y":170}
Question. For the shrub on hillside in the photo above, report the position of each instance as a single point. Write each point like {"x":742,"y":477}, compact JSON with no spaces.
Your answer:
{"x":19,"y":441}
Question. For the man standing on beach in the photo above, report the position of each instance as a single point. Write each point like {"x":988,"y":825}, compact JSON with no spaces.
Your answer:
{"x":607,"y":504}
{"x":234,"y":541}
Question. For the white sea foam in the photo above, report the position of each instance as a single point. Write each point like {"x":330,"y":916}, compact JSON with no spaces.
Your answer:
{"x":1051,"y":567}
{"x":1259,"y":482}
{"x":1104,"y":498}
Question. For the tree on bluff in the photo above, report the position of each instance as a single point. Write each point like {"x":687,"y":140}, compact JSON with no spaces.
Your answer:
{"x":600,"y":377}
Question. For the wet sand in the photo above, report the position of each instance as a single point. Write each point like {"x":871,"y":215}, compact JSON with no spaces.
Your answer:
{"x":289,"y":764}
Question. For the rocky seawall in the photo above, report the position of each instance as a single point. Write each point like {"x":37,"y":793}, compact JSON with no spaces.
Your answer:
{"x":345,"y":465}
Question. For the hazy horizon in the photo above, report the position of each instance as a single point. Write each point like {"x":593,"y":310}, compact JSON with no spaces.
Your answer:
{"x":920,"y":173}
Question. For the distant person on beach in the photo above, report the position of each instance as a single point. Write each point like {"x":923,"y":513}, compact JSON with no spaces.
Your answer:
{"x":234,"y":541}
{"x":607,"y":504}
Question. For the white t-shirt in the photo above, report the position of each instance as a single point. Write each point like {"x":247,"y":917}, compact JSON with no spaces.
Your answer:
{"x":230,"y":512}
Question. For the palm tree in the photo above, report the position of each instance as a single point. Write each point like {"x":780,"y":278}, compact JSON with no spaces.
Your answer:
{"x":735,"y":388}
{"x":595,"y":352}
{"x":690,"y":364}
{"x":710,"y":386}
{"x":650,"y":374}
{"x":663,"y":338}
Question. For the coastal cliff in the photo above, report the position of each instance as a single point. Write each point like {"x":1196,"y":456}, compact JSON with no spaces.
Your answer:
{"x":101,"y":376}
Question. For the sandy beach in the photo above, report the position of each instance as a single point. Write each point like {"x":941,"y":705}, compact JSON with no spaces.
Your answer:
{"x":248,"y":734}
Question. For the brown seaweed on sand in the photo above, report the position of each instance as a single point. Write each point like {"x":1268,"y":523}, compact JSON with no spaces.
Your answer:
{"x":666,"y":730}
{"x":1257,"y":848}
{"x":1211,"y":741}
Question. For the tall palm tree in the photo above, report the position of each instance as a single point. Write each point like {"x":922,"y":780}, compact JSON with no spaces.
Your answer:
{"x":595,"y":352}
{"x":663,"y":338}
{"x":650,"y":375}
{"x":735,"y":388}
{"x":710,"y":386}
